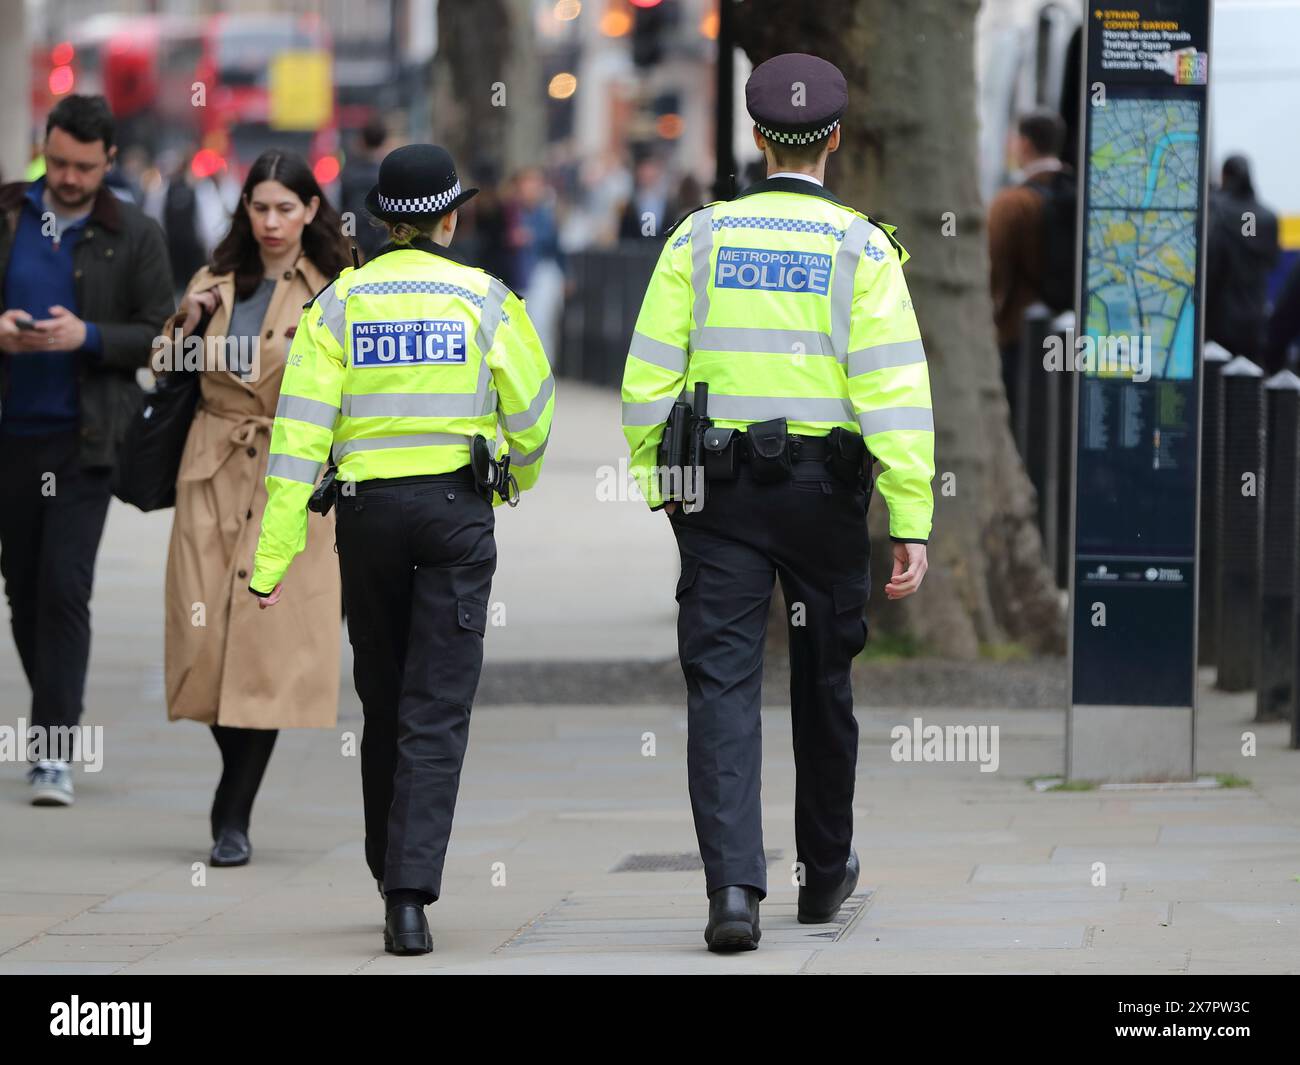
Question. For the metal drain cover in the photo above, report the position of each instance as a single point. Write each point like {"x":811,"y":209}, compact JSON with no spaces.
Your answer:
{"x":687,"y":862}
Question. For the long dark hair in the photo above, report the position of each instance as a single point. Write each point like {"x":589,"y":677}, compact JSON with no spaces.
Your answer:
{"x":322,"y":238}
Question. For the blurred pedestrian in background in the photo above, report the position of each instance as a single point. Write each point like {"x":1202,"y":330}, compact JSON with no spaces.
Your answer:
{"x":244,"y":672}
{"x":1032,"y":236}
{"x":359,"y":175}
{"x":646,"y":211}
{"x":688,"y":197}
{"x":1241,"y":251}
{"x":482,"y":237}
{"x":537,"y":270}
{"x":85,"y":288}
{"x":179,"y":214}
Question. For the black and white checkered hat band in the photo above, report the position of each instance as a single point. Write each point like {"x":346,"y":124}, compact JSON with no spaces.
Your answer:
{"x":797,"y":138}
{"x":420,"y":204}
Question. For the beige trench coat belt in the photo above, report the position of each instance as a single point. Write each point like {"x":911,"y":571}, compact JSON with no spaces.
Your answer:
{"x":246,"y":426}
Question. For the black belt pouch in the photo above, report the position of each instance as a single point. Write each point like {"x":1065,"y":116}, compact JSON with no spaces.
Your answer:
{"x":720,"y":454}
{"x":846,"y":452}
{"x":769,"y":451}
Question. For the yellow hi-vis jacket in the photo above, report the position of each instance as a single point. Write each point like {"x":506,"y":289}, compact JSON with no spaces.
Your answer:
{"x":788,"y":304}
{"x":395,"y":367}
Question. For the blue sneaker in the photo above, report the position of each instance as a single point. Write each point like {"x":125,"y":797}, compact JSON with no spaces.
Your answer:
{"x":51,"y":783}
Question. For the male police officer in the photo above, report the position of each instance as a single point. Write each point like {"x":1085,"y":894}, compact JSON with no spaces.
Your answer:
{"x":792,"y":309}
{"x":397,"y":367}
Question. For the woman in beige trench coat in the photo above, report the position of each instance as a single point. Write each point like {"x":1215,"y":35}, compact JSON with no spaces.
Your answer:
{"x":246,"y":672}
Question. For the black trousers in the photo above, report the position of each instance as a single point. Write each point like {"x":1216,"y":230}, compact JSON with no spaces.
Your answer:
{"x":52,"y":515}
{"x":811,"y":533}
{"x":245,"y":753}
{"x":417,"y":556}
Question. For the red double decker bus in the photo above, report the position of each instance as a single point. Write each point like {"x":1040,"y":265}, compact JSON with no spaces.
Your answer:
{"x":174,"y":81}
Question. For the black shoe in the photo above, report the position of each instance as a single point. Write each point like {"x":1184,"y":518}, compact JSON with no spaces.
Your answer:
{"x":406,"y":931}
{"x":733,"y":919}
{"x":820,"y":907}
{"x":232,"y":848}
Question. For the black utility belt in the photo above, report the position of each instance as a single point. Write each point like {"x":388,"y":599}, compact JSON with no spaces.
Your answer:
{"x":802,"y":448}
{"x":770,"y":452}
{"x":690,"y":440}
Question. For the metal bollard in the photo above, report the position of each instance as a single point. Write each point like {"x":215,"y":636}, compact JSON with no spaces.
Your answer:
{"x":1060,"y":445}
{"x":1214,"y":358}
{"x":1028,"y":382}
{"x":1240,"y":533}
{"x":1025,"y":378}
{"x":1275,"y":690}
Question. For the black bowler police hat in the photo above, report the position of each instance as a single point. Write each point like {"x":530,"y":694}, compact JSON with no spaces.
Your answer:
{"x":417,"y":183}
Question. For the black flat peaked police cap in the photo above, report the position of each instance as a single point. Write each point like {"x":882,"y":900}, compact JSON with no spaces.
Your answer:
{"x":417,"y":183}
{"x":796,"y":98}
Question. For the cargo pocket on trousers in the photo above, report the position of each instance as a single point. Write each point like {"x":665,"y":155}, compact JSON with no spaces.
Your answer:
{"x":689,"y":621}
{"x":472,"y":615}
{"x":690,"y":570}
{"x":850,"y":598}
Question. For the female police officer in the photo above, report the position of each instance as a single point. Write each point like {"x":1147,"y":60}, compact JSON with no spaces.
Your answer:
{"x":396,"y":367}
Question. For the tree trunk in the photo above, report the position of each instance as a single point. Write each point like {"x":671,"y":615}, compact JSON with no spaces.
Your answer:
{"x":908,"y":155}
{"x":470,"y":116}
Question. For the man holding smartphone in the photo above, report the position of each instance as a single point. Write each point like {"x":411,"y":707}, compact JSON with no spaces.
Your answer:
{"x":84,"y":288}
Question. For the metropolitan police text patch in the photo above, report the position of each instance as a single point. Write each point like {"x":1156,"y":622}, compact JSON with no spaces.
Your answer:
{"x":773,"y":271}
{"x":404,"y":343}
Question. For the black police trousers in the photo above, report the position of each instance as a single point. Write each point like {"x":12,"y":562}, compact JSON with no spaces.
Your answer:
{"x":417,"y":556}
{"x":811,"y":533}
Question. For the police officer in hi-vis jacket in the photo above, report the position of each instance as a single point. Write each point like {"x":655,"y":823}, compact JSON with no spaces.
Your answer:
{"x":791,"y":307}
{"x":395,"y":369}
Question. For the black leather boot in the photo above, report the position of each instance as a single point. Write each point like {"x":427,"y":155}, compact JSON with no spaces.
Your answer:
{"x":733,"y":919}
{"x":821,"y":906}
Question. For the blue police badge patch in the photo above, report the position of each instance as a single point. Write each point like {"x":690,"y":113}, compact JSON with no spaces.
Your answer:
{"x":760,"y":269}
{"x":408,"y":342}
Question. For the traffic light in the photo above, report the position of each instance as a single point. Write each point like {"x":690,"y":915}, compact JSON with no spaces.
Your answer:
{"x":653,"y":23}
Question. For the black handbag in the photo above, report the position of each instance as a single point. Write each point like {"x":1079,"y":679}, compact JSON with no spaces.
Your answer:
{"x":149,"y":459}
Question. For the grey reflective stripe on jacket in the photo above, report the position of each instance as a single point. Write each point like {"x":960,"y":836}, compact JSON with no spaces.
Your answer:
{"x":759,"y":341}
{"x":333,"y":315}
{"x":885,"y":356}
{"x":889,"y":419}
{"x":652,"y":412}
{"x":844,"y":282}
{"x":520,"y":458}
{"x":656,"y":352}
{"x":701,"y":249}
{"x":526,"y":419}
{"x":305,"y":471}
{"x":312,"y":411}
{"x":490,"y":319}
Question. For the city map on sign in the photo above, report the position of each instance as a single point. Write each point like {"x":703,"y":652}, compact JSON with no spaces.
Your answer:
{"x":1143,"y":192}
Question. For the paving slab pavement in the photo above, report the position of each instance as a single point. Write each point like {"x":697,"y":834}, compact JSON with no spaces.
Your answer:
{"x":963,"y":870}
